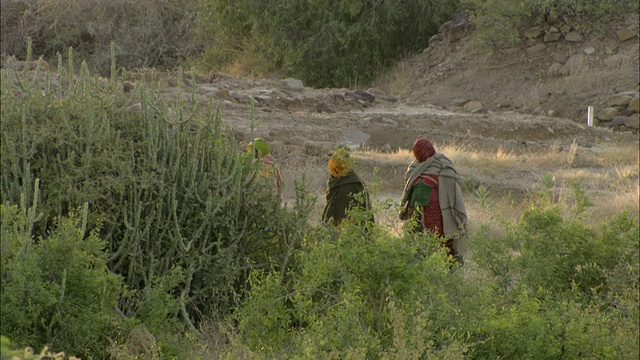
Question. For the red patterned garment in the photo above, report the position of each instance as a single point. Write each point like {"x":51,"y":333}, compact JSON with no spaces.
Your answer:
{"x":431,"y":216}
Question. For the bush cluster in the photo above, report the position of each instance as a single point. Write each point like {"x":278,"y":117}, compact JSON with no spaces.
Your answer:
{"x":147,"y":33}
{"x":545,"y":288}
{"x":501,"y":22}
{"x":181,"y":210}
{"x":325,"y":43}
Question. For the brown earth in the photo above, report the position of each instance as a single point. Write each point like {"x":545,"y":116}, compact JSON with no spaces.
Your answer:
{"x":526,"y":109}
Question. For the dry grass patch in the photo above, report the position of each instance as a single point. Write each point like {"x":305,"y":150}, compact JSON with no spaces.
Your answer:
{"x":553,"y":158}
{"x":619,"y":155}
{"x":608,"y":204}
{"x":396,"y":81}
{"x":489,"y":176}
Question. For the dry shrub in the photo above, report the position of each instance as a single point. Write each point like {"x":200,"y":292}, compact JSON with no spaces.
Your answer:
{"x":145,"y":32}
{"x":140,"y":344}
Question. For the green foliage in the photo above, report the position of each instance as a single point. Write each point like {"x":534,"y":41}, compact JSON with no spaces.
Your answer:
{"x":354,"y":294}
{"x":57,"y":289}
{"x":324,"y":42}
{"x":184,"y":212}
{"x":544,"y":288}
{"x":501,"y":21}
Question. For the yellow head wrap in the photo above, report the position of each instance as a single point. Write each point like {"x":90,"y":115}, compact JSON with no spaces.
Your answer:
{"x":339,"y":163}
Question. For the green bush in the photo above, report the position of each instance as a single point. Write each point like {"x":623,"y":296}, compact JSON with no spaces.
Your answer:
{"x":171,"y":191}
{"x":546,"y":288}
{"x":356,"y":294}
{"x":500,"y":22}
{"x":323,"y":42}
{"x":57,"y":290}
{"x":561,"y":287}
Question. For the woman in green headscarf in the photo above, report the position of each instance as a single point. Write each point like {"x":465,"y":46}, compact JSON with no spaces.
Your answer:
{"x":345,"y":190}
{"x":270,"y":169}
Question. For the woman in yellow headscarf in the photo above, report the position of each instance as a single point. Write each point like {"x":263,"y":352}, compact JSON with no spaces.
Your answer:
{"x":345,"y":190}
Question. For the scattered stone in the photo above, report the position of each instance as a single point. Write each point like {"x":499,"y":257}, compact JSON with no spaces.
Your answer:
{"x":355,"y":139}
{"x":633,"y":121}
{"x":324,"y":107}
{"x":292,"y":84}
{"x":224,"y":94}
{"x":503,"y":105}
{"x":435,"y":38}
{"x":457,"y":28}
{"x":574,"y":65}
{"x":551,"y":37}
{"x":551,"y":112}
{"x":361,"y":95}
{"x":240,"y":97}
{"x":289,"y":102}
{"x":337,"y":97}
{"x":536,"y":48}
{"x":388,"y":98}
{"x":473,"y":107}
{"x":626,"y":34}
{"x":618,"y":121}
{"x":376,"y":91}
{"x":559,"y":57}
{"x":263,"y":100}
{"x":207,"y":90}
{"x":608,"y":114}
{"x":634,"y":104}
{"x":573,"y":36}
{"x":627,"y":112}
{"x":533,"y":32}
{"x":589,"y":50}
{"x":553,"y":34}
{"x":619,"y":100}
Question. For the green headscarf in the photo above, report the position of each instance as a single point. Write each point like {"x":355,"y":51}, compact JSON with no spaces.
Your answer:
{"x":261,"y":146}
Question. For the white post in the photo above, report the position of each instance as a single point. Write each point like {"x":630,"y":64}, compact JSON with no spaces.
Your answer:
{"x":590,"y":116}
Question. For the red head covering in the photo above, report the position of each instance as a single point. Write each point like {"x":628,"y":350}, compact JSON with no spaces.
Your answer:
{"x":423,"y":149}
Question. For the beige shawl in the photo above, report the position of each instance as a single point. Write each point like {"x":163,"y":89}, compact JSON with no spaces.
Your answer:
{"x":454,"y":214}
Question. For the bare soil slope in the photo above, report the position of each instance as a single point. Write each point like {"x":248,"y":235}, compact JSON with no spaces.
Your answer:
{"x":526,"y":110}
{"x":559,"y":78}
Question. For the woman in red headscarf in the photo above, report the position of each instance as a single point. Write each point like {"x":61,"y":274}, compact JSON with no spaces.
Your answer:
{"x":432,"y":192}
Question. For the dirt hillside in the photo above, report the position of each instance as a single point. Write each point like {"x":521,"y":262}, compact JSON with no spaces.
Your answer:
{"x":529,"y":100}
{"x":537,"y":76}
{"x":511,"y":101}
{"x":524,"y":105}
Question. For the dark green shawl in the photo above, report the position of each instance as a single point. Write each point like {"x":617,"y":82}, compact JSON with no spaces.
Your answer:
{"x":340,"y":197}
